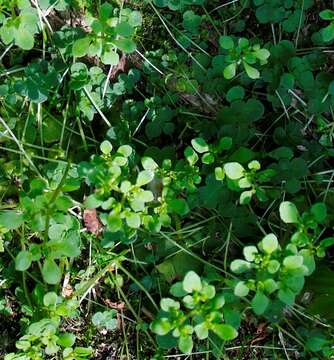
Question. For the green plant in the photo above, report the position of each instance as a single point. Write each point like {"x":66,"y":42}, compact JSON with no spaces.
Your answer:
{"x":243,"y":54}
{"x":145,"y":149}
{"x":109,"y":34}
{"x":280,"y":272}
{"x":44,"y":337}
{"x":19,"y":29}
{"x":328,"y":32}
{"x":202,"y":313}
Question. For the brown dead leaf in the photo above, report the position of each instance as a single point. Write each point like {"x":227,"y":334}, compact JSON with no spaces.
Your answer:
{"x":92,"y":221}
{"x":120,"y":67}
{"x":114,"y":305}
{"x":261,"y":332}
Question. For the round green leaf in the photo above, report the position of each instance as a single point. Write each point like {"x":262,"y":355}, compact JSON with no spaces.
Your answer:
{"x":192,"y":282}
{"x":241,"y":289}
{"x":133,"y":220}
{"x":289,"y":213}
{"x":106,"y":147}
{"x":179,"y":206}
{"x":80,"y":47}
{"x":185,"y":344}
{"x":260,"y":303}
{"x":293,"y":262}
{"x":24,"y":39}
{"x":200,"y":145}
{"x":50,"y":299}
{"x":161,"y":326}
{"x":225,"y":331}
{"x":234,"y":170}
{"x":250,"y":252}
{"x":226,"y":42}
{"x":270,"y":243}
{"x":10,"y":219}
{"x":239,"y":266}
{"x":144,"y":177}
{"x":23,"y":260}
{"x":51,"y":272}
{"x":230,"y":71}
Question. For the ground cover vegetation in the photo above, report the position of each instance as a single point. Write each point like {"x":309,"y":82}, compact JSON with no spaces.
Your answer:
{"x":166,"y":179}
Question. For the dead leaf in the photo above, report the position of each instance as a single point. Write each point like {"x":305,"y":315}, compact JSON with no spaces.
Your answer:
{"x":120,"y":67}
{"x":92,"y":221}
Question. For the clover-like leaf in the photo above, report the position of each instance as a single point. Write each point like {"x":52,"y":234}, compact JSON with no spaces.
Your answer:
{"x":289,"y":213}
{"x":234,"y":170}
{"x":192,"y":282}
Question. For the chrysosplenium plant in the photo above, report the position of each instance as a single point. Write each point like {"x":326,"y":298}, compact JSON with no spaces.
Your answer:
{"x":272,"y":275}
{"x":272,"y":271}
{"x":46,"y":338}
{"x":199,"y":312}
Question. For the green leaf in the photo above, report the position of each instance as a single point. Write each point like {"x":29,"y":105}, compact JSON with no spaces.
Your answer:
{"x":239,"y":266}
{"x":106,"y":147}
{"x":51,"y":272}
{"x":50,"y":299}
{"x":80,"y":47}
{"x":10,"y":219}
{"x":246,"y":197}
{"x":225,"y":143}
{"x":23,"y":260}
{"x":260,"y":303}
{"x":167,"y":304}
{"x":125,"y":150}
{"x":241,"y":289}
{"x":200,"y":145}
{"x":185,"y":344}
{"x":270,"y":286}
{"x":287,"y":296}
{"x":105,"y":320}
{"x":226,"y":42}
{"x":273,"y":266}
{"x":66,"y":340}
{"x":328,"y":32}
{"x":235,"y":93}
{"x":191,"y":21}
{"x":270,"y":243}
{"x":24,"y":39}
{"x":327,"y":14}
{"x":219,"y":174}
{"x":250,"y":252}
{"x":148,"y":163}
{"x":144,"y":177}
{"x":179,"y":206}
{"x":319,"y":211}
{"x":135,"y":18}
{"x":110,"y":57}
{"x":133,"y":220}
{"x":251,"y":71}
{"x":230,"y":71}
{"x":201,"y":331}
{"x":161,"y":326}
{"x":262,"y":54}
{"x":126,"y":45}
{"x":208,"y":158}
{"x":145,"y":196}
{"x":190,"y":155}
{"x":293,"y":262}
{"x":192,"y":282}
{"x":289,"y":213}
{"x":177,"y":290}
{"x":114,"y":222}
{"x":225,"y":331}
{"x":124,"y":29}
{"x":234,"y":170}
